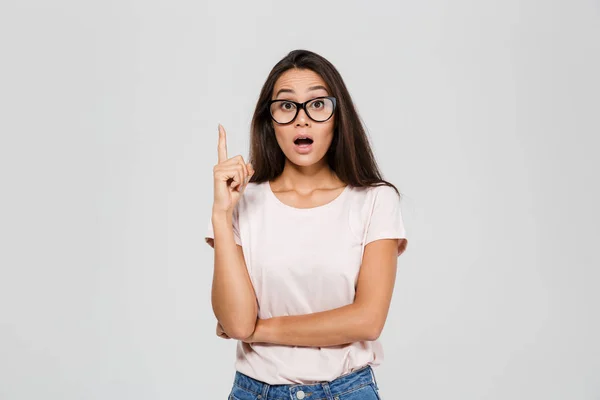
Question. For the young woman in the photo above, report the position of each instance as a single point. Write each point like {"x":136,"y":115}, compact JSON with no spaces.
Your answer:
{"x":306,"y":237}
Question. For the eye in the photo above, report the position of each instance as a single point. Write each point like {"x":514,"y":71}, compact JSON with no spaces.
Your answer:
{"x":287,"y":106}
{"x":317,"y":104}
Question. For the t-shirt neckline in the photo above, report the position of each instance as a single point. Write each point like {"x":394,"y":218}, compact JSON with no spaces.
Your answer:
{"x":337,"y":199}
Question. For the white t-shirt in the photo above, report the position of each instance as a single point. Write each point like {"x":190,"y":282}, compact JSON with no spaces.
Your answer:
{"x":306,"y":260}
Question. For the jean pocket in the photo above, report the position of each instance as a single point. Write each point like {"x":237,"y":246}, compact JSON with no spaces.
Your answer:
{"x":376,"y":390}
{"x":238,"y":393}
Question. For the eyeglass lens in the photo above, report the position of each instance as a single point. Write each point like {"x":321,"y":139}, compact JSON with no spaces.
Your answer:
{"x":318,"y":110}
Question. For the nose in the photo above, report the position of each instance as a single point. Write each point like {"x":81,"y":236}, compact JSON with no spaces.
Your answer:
{"x":302,"y":119}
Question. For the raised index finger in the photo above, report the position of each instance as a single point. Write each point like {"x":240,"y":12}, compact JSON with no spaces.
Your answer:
{"x":222,"y":147}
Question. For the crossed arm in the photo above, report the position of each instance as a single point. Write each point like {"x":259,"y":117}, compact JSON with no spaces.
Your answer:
{"x":362,"y":320}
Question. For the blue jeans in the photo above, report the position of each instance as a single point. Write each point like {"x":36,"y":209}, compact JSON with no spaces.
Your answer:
{"x":357,"y":385}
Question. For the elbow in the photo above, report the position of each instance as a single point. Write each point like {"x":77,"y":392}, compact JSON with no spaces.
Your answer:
{"x":237,"y":324}
{"x":241,"y":332}
{"x":372,"y":328}
{"x":372,"y":333}
{"x":241,"y":328}
{"x":370,"y":322}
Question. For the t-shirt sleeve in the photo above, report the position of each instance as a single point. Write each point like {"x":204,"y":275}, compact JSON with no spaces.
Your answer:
{"x":236,"y":230}
{"x":386,"y":221}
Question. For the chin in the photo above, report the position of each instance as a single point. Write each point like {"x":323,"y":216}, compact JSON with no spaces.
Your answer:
{"x":304,"y":160}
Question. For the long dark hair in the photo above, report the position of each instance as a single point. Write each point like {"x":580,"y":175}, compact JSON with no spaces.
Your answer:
{"x":349,"y":154}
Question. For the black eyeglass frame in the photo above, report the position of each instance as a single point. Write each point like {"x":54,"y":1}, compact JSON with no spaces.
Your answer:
{"x":303,"y":107}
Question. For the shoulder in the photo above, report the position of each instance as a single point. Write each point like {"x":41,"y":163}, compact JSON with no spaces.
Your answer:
{"x":369,"y":195}
{"x":364,"y":200}
{"x":385,"y":193}
{"x":380,"y":201}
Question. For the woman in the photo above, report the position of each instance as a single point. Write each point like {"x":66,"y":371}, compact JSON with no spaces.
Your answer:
{"x":306,"y":238}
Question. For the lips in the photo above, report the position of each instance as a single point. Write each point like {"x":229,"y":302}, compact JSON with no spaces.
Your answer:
{"x":303,"y":144}
{"x":303,"y":140}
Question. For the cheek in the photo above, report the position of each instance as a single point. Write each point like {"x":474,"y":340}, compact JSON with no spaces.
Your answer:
{"x":326,"y":133}
{"x":283,"y":133}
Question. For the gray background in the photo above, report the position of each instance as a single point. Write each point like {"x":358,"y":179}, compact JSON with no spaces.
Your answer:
{"x":485,"y":114}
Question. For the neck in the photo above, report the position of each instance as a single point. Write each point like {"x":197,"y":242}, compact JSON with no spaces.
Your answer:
{"x":307,"y":178}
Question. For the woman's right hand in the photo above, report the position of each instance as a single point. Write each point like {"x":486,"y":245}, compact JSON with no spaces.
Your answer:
{"x":231,"y":177}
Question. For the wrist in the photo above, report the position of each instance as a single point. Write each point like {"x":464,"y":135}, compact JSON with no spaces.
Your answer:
{"x":220,"y":215}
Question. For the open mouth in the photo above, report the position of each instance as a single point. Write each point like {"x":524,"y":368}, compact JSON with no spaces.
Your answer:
{"x":303,"y":141}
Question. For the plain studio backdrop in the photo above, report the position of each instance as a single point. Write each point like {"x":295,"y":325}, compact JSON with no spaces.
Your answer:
{"x":485,"y":114}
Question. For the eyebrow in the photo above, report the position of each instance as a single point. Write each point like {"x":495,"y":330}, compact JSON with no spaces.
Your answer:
{"x":317,"y":87}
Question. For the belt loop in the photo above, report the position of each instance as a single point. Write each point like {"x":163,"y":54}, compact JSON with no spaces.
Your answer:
{"x":327,"y":390}
{"x":265,"y":391}
{"x":373,"y":375}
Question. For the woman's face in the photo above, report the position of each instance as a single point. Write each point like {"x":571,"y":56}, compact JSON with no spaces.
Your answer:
{"x":300,"y":85}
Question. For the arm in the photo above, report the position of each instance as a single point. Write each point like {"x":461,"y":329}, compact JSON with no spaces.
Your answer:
{"x":233,"y":298}
{"x":362,"y":320}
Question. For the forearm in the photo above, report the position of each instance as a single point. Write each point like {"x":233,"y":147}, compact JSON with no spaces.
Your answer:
{"x":343,"y":325}
{"x":233,"y":298}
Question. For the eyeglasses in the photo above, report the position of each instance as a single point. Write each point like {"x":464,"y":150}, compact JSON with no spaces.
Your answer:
{"x":319,"y":109}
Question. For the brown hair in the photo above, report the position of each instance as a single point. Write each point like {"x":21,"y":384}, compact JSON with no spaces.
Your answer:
{"x":349,"y":154}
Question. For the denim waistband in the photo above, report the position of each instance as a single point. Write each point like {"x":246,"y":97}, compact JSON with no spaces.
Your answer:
{"x":321,"y":390}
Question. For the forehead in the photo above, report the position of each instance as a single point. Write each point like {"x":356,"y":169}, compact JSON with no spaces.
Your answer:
{"x":299,"y":80}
